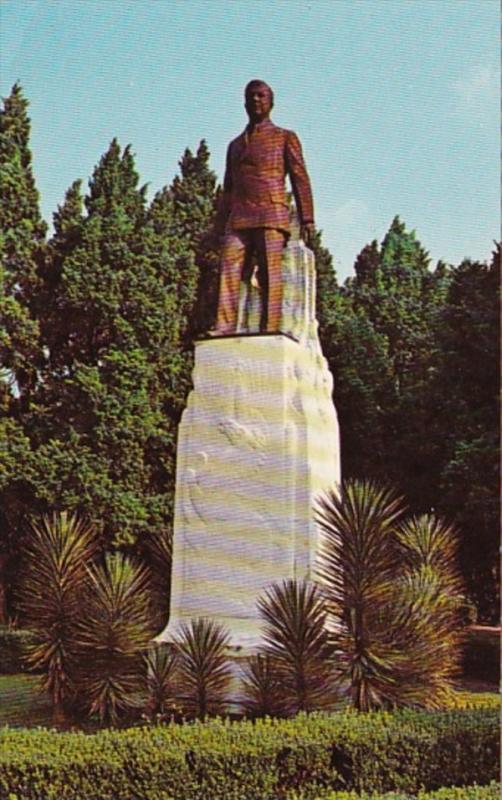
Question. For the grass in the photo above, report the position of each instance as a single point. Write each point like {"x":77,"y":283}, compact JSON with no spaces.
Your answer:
{"x":22,"y":704}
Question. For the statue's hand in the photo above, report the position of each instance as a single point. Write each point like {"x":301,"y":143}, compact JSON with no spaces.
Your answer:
{"x":307,"y":233}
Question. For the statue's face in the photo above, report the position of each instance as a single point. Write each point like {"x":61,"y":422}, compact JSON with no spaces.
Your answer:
{"x":258,"y":101}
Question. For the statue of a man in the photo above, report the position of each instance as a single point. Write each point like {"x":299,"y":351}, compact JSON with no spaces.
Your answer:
{"x":253,"y":217}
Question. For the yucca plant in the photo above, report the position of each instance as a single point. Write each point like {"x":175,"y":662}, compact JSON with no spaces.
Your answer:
{"x":113,"y":634}
{"x":357,"y":567}
{"x":204,"y":669}
{"x":296,"y":641}
{"x":394,"y":595}
{"x":161,"y":680}
{"x":429,"y":541}
{"x":425,"y":618}
{"x":157,"y":554}
{"x":429,"y":603}
{"x":57,"y":551}
{"x":262,"y":688}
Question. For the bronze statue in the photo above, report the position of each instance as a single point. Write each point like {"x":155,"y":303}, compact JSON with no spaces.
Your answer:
{"x":253,"y":217}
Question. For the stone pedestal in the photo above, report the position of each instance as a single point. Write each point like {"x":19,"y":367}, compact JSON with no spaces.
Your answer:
{"x":257,"y":442}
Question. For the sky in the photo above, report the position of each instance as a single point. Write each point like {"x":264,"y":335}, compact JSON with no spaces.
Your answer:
{"x":396,"y":102}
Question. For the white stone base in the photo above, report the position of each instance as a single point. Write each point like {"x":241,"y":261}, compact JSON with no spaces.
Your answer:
{"x":257,"y":442}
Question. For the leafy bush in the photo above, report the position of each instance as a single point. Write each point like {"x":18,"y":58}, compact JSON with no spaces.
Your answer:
{"x":405,"y":752}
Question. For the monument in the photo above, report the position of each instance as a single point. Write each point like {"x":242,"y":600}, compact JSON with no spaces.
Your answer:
{"x":258,"y":440}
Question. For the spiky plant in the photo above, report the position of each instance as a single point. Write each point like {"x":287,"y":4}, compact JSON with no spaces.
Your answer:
{"x":297,"y":641}
{"x":57,"y":551}
{"x":429,"y":541}
{"x":161,"y":680}
{"x":157,"y":553}
{"x":357,"y":567}
{"x":428,"y":604}
{"x":262,"y":688}
{"x":424,"y":617}
{"x":204,"y":669}
{"x":114,"y":632}
{"x":394,"y":592}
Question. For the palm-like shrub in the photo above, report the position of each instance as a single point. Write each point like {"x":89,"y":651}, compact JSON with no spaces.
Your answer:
{"x":357,"y":568}
{"x":427,"y":541}
{"x":296,"y":641}
{"x":161,"y":680}
{"x":57,"y":552}
{"x":262,"y":688}
{"x":113,"y":634}
{"x":393,"y":593}
{"x":428,"y":603}
{"x":157,"y":553}
{"x":203,"y":668}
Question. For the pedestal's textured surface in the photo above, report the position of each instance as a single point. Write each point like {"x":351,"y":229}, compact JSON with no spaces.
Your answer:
{"x":258,"y":441}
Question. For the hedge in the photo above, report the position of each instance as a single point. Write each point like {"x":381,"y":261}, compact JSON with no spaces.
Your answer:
{"x":404,"y":751}
{"x":490,"y":792}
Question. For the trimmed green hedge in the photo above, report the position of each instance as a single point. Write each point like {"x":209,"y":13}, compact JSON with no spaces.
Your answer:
{"x":405,"y":751}
{"x":490,"y":792}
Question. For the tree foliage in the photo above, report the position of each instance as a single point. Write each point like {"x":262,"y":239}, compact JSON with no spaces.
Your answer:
{"x":414,"y":353}
{"x":96,"y":351}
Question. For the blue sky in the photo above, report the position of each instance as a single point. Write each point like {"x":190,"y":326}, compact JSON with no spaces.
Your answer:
{"x":395,"y":101}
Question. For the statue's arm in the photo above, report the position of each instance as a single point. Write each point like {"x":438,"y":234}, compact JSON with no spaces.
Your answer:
{"x":300,"y":182}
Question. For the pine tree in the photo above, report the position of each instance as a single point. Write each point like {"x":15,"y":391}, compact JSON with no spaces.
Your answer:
{"x":114,"y":385}
{"x":22,"y":239}
{"x":383,"y":361}
{"x":194,"y":198}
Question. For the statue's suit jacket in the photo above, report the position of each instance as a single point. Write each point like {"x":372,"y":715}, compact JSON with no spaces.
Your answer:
{"x":254,"y":193}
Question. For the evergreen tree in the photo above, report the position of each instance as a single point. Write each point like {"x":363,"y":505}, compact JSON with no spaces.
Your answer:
{"x":466,"y":394}
{"x":382,"y":363}
{"x":195,"y":196}
{"x":22,"y":239}
{"x":114,"y":385}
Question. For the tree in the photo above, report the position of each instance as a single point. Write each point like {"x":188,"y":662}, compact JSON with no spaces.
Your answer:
{"x":194,"y":198}
{"x":382,"y":358}
{"x":22,"y":241}
{"x":394,"y":597}
{"x":466,"y":395}
{"x":114,"y":385}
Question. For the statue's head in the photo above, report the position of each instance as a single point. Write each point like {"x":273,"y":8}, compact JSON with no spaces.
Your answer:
{"x":259,"y":100}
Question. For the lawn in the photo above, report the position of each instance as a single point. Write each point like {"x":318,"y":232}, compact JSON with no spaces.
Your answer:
{"x":22,"y":704}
